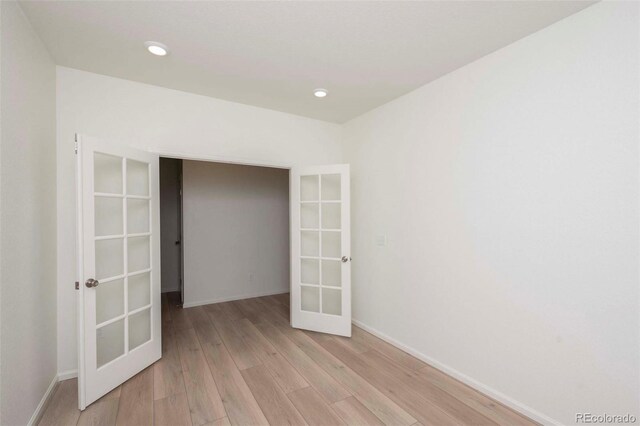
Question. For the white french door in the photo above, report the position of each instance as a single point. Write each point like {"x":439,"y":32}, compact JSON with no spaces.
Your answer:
{"x":118,"y":267}
{"x":320,"y":249}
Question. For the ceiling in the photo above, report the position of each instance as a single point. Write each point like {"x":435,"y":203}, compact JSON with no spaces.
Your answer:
{"x":273,"y":54}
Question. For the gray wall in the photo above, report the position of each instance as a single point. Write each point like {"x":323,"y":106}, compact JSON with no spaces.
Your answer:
{"x":170,"y":222}
{"x":236,"y":231}
{"x":27,"y":218}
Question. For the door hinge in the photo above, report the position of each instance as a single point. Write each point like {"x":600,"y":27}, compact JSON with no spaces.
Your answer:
{"x":77,"y":285}
{"x":75,"y":143}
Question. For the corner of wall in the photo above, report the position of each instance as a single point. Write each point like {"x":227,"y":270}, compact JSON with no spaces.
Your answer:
{"x":27,"y":155}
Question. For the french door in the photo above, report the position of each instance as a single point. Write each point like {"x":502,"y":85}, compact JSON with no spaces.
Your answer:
{"x":320,"y":251}
{"x":118,"y":267}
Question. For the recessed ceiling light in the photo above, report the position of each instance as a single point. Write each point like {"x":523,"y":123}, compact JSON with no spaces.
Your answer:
{"x":320,"y":93}
{"x":156,"y":48}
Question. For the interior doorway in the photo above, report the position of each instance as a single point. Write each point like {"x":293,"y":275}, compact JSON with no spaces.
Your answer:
{"x":224,"y":231}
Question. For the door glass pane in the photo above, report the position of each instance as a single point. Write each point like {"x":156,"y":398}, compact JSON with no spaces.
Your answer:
{"x":139,"y":291}
{"x":331,"y":187}
{"x":137,"y":216}
{"x":109,"y":300}
{"x":309,"y":216}
{"x":331,"y":246}
{"x":310,"y":298}
{"x":108,"y":216}
{"x":139,"y":328}
{"x":309,"y":243}
{"x":331,"y":301}
{"x":137,"y":178}
{"x":138,"y":253}
{"x":310,"y":271}
{"x":107,"y":173}
{"x":110,"y":342}
{"x":331,"y":215}
{"x":309,"y":188}
{"x":332,"y":273}
{"x":109,"y":258}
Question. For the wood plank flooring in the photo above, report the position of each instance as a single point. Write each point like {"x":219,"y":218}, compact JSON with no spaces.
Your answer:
{"x":241,"y":363}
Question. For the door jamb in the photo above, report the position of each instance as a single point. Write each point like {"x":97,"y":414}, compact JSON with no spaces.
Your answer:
{"x":80,"y":271}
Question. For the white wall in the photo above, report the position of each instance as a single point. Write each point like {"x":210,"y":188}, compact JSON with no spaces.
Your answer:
{"x":236,"y":231}
{"x":508,"y":191}
{"x":161,"y":119}
{"x":28,"y":218}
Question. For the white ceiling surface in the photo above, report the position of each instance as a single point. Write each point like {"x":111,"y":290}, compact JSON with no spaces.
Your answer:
{"x":273,"y":54}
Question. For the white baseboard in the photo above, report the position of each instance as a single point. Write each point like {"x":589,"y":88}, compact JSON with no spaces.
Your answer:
{"x":37,"y":414}
{"x":66,"y":375}
{"x":229,"y":299}
{"x":498,"y":396}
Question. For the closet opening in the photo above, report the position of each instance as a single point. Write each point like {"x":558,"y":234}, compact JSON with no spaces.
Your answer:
{"x":224,"y":231}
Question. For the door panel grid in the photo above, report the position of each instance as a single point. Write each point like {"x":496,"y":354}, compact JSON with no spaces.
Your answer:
{"x":320,"y":239}
{"x":118,"y":329}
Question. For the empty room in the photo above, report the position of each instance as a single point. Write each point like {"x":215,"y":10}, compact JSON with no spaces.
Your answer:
{"x":319,"y":212}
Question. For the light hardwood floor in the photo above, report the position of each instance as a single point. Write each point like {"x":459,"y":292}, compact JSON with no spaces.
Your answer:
{"x":240,"y":363}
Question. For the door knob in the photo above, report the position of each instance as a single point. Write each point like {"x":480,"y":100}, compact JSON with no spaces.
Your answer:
{"x":345,"y":259}
{"x":90,"y":283}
